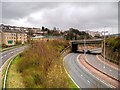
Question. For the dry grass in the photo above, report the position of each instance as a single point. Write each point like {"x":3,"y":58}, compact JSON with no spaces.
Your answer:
{"x":2,"y":72}
{"x":41,"y":66}
{"x":14,"y":79}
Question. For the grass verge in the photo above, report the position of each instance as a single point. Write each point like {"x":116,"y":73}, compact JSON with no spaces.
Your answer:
{"x":40,"y":66}
{"x":14,"y":79}
{"x":72,"y":85}
{"x":2,"y":72}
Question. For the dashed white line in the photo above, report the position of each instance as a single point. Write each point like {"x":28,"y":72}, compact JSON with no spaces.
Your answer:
{"x":103,"y":66}
{"x":111,"y":86}
{"x":88,"y":81}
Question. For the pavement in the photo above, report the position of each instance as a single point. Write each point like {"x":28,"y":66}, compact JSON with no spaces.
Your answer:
{"x":82,"y":76}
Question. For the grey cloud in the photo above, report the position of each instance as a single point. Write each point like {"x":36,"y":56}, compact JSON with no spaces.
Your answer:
{"x":0,"y":13}
{"x":63,"y":15}
{"x":90,"y":14}
{"x":17,"y":10}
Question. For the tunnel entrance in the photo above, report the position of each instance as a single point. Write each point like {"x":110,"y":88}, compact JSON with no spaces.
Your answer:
{"x":74,"y":47}
{"x":90,"y":46}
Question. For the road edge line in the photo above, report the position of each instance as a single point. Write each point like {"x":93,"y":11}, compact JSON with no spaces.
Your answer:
{"x":111,"y":86}
{"x":7,"y":69}
{"x":6,"y":61}
{"x":86,"y":60}
{"x":106,"y":63}
{"x":68,"y":73}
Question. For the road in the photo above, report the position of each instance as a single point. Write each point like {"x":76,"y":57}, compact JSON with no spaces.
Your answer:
{"x":93,"y":60}
{"x":82,"y":77}
{"x":9,"y":53}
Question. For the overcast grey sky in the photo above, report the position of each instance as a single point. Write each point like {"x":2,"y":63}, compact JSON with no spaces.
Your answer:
{"x":80,"y":15}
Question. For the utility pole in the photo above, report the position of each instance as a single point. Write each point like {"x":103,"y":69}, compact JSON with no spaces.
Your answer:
{"x":69,"y":34}
{"x":84,"y":46}
{"x":104,"y":47}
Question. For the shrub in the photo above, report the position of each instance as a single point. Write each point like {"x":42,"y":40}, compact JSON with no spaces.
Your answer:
{"x":41,"y":65}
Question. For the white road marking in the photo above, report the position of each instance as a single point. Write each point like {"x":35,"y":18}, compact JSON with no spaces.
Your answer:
{"x":81,"y":75}
{"x":103,"y":66}
{"x":88,"y":81}
{"x":106,"y":63}
{"x":111,"y":86}
{"x":70,"y":76}
{"x":110,"y":70}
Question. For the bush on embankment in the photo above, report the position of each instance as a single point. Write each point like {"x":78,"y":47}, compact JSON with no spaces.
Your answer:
{"x":112,"y":49}
{"x":42,"y":66}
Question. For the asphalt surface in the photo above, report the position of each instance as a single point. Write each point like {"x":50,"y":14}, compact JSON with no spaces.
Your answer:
{"x":9,"y":53}
{"x":82,"y":77}
{"x":93,"y":60}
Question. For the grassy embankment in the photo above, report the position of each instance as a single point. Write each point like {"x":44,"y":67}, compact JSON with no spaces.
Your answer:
{"x":2,"y":72}
{"x":40,"y":66}
{"x":113,"y":49}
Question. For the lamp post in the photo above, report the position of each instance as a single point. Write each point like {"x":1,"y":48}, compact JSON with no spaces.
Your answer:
{"x":84,"y":46}
{"x":104,"y":47}
{"x":69,"y":35}
{"x":104,"y":44}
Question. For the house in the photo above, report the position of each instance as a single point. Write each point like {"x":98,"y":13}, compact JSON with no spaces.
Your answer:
{"x":12,"y":37}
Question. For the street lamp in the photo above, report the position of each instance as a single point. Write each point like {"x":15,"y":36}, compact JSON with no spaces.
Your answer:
{"x":104,"y":45}
{"x":84,"y":46}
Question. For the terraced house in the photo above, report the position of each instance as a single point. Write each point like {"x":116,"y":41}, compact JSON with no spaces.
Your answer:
{"x":12,"y":37}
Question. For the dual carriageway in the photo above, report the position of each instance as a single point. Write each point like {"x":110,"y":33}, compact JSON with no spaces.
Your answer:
{"x":81,"y":75}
